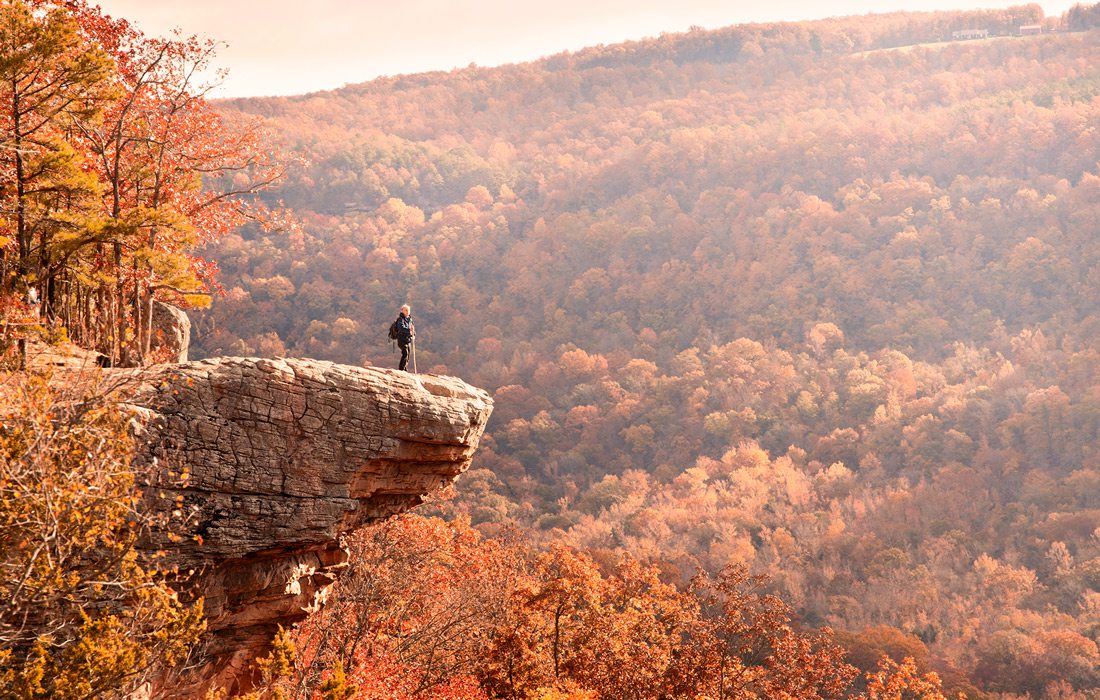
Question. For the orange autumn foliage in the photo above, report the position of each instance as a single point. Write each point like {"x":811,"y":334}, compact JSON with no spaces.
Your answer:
{"x":431,"y":609}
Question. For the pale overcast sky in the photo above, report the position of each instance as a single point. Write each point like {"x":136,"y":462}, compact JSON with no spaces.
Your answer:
{"x":287,"y":47}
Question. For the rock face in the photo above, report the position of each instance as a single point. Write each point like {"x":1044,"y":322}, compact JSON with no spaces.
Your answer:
{"x":171,"y":331}
{"x":284,"y":456}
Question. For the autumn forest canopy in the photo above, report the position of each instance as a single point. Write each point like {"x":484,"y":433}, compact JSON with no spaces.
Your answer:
{"x":815,"y":302}
{"x":816,"y":298}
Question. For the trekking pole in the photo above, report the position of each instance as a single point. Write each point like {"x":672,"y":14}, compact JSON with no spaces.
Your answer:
{"x":414,"y":354}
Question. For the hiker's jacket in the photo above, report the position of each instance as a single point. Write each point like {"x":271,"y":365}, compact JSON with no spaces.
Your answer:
{"x":404,"y":330}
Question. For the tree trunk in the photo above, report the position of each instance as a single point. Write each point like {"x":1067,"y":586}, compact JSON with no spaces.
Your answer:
{"x":148,"y":330}
{"x":119,"y":325}
{"x":20,"y":186}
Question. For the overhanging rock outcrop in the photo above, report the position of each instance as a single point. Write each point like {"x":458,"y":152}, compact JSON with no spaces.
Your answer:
{"x":283,"y":457}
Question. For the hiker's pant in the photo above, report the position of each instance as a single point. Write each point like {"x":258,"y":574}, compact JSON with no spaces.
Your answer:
{"x":404,"y":356}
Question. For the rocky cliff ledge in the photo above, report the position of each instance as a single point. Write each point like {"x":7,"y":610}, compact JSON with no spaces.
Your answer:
{"x":283,"y":457}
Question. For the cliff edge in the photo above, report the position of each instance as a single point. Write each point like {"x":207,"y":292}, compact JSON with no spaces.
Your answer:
{"x":268,"y":462}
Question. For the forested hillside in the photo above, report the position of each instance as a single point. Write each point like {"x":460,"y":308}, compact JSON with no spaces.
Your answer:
{"x":819,"y":298}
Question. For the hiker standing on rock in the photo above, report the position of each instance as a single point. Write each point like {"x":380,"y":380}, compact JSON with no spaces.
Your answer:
{"x":406,"y":333}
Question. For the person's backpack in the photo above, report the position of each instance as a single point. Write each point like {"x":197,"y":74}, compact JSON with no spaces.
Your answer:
{"x":393,"y":331}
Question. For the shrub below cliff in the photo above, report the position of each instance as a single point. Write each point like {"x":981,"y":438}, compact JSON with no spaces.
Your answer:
{"x":81,"y":614}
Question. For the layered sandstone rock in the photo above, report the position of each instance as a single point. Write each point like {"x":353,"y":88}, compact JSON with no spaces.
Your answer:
{"x":282,"y":457}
